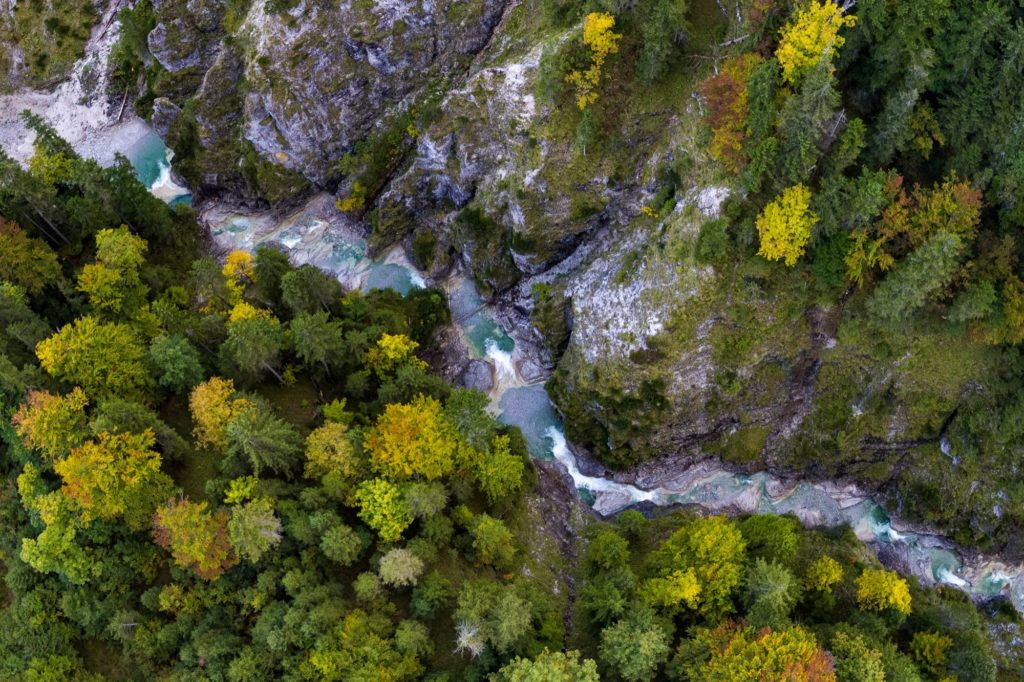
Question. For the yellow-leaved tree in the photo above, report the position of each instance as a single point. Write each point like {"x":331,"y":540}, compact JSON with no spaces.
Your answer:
{"x":53,"y":425}
{"x":879,"y":590}
{"x":822,"y":574}
{"x":115,"y":476}
{"x":727,"y":108}
{"x":785,"y":225}
{"x":392,"y":352}
{"x":413,"y":439}
{"x":239,"y":270}
{"x":213,"y":404}
{"x":812,"y":35}
{"x":598,"y":36}
{"x":197,"y":539}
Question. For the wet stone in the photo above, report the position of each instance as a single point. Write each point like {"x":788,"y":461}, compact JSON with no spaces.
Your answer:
{"x":478,"y":375}
{"x":611,"y":501}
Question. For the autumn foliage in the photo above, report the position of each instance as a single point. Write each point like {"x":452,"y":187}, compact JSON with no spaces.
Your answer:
{"x":952,"y":206}
{"x":811,"y":36}
{"x":412,"y":439}
{"x":115,"y":476}
{"x":740,"y":654}
{"x":196,"y":538}
{"x":24,"y":261}
{"x":726,"y":96}
{"x":879,"y":590}
{"x":51,"y":424}
{"x":785,"y":225}
{"x":598,"y":36}
{"x":213,"y":404}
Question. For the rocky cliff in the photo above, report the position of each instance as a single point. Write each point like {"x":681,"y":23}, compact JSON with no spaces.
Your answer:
{"x":269,"y":97}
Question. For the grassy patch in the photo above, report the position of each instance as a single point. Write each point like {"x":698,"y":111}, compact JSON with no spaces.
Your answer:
{"x":296,"y":402}
{"x":743,"y":445}
{"x":52,"y":34}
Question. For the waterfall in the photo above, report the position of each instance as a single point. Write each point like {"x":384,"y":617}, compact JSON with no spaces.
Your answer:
{"x":164,"y":187}
{"x":505,"y":374}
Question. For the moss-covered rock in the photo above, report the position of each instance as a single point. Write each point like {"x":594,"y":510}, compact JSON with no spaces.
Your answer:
{"x":322,"y":79}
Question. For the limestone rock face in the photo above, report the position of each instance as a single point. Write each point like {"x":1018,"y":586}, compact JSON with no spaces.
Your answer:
{"x":478,"y":375}
{"x":308,"y":82}
{"x":321,"y":82}
{"x":165,"y":113}
{"x":187,"y":32}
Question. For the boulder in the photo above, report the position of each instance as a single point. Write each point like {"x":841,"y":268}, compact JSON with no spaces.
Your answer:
{"x":478,"y":375}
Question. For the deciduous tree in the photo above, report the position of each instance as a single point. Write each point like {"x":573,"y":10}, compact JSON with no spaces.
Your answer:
{"x":499,"y":472}
{"x":822,"y":574}
{"x":392,"y":352}
{"x":879,"y":590}
{"x":239,"y":271}
{"x":29,"y":263}
{"x":112,"y":283}
{"x":196,"y":538}
{"x":549,"y":666}
{"x":254,"y":528}
{"x":382,"y":508}
{"x":342,"y":544}
{"x":117,"y":475}
{"x":53,"y":425}
{"x":106,"y":359}
{"x":55,"y":549}
{"x":714,"y":550}
{"x":726,"y":96}
{"x":598,"y":36}
{"x":741,"y":654}
{"x":331,"y":455}
{"x":635,"y":646}
{"x":400,"y":568}
{"x":213,"y":404}
{"x":785,"y":225}
{"x":931,"y":650}
{"x":493,"y":542}
{"x":490,"y":614}
{"x":855,"y":661}
{"x":811,"y":36}
{"x":412,"y":439}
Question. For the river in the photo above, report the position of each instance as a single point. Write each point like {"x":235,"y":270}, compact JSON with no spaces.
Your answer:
{"x":317,"y":233}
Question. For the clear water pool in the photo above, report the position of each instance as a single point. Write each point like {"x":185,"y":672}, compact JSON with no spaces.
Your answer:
{"x":152,"y":162}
